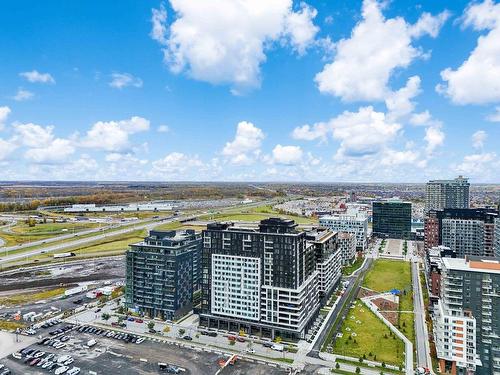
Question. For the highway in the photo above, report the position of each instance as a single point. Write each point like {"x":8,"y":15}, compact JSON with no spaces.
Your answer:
{"x":57,"y":247}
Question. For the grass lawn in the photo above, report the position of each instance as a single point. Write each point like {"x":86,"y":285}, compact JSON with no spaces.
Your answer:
{"x":389,"y":274}
{"x":395,"y":274}
{"x":348,"y":270}
{"x":372,"y":336}
{"x":255,"y":216}
{"x":19,"y":299}
{"x":22,"y":233}
{"x":10,"y":326}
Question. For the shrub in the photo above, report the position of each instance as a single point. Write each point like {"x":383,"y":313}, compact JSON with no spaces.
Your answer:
{"x":358,"y":370}
{"x":337,"y":366}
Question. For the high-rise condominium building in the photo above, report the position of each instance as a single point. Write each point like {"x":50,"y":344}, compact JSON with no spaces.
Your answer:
{"x":392,"y":219}
{"x":497,"y":237}
{"x":467,"y":316}
{"x":353,"y":221}
{"x":465,"y":231}
{"x":441,"y":194}
{"x":163,"y":272}
{"x":265,"y":281}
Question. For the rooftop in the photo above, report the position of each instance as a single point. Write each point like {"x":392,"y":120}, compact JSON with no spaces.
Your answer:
{"x":473,"y":264}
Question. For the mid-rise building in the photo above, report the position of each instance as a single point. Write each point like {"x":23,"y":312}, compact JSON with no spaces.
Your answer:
{"x":328,"y":259}
{"x":346,"y":243}
{"x":465,"y":231}
{"x":264,"y":281}
{"x":392,"y":219}
{"x":467,"y":316}
{"x":163,"y":272}
{"x":353,"y":221}
{"x":441,"y":194}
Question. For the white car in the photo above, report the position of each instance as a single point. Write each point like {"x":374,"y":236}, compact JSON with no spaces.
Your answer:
{"x":61,"y":370}
{"x":63,"y":358}
{"x":39,"y":354}
{"x":60,"y":345}
{"x":139,"y":340}
{"x":17,"y":355}
{"x":47,"y":364}
{"x":74,"y":371}
{"x":69,"y":361}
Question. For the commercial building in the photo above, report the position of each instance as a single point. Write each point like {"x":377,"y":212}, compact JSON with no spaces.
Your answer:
{"x":467,"y":316}
{"x":266,"y":280}
{"x":163,"y":272}
{"x":441,"y":194}
{"x":465,"y":231}
{"x":497,"y":238}
{"x":392,"y":219}
{"x":353,"y":221}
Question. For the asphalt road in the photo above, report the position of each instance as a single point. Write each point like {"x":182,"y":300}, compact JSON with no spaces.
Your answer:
{"x":49,"y":249}
{"x":422,"y":340}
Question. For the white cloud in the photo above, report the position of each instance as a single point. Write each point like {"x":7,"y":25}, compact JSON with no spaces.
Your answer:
{"x":33,"y":135}
{"x":57,"y":151}
{"x":225,"y":41}
{"x":163,"y":129}
{"x":495,"y":116}
{"x":478,"y":139}
{"x":309,"y":133}
{"x":6,"y":148}
{"x":176,"y":163}
{"x":477,"y":80}
{"x":392,"y":157}
{"x":36,"y":77}
{"x":23,"y":95}
{"x":114,"y":135}
{"x":481,"y":166}
{"x":377,"y":47}
{"x":121,"y":80}
{"x":4,"y":114}
{"x":434,"y":137}
{"x":363,"y":132}
{"x":287,"y":155}
{"x":247,"y":141}
{"x":399,"y":103}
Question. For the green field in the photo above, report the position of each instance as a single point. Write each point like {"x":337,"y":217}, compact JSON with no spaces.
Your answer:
{"x":19,"y":299}
{"x":255,"y":216}
{"x":22,"y":233}
{"x":348,"y":270}
{"x":395,"y":274}
{"x":387,"y":275}
{"x":371,"y":336}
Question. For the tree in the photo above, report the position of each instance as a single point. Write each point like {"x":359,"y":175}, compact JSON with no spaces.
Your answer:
{"x":151,"y":325}
{"x":278,"y":339}
{"x":383,"y":364}
{"x":358,"y":370}
{"x":105,"y":316}
{"x":337,"y":365}
{"x":166,"y":329}
{"x":182,"y":331}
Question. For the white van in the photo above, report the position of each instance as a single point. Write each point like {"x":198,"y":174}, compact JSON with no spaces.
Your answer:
{"x":278,"y":347}
{"x":63,"y":358}
{"x":91,"y":343}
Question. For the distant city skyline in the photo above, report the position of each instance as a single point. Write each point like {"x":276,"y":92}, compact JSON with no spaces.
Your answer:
{"x":366,"y":91}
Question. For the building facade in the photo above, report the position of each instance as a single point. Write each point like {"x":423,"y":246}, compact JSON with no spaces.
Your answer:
{"x":441,"y":194}
{"x":354,"y":221}
{"x":467,"y":316}
{"x":465,"y":231}
{"x":163,"y":272}
{"x":497,"y":238}
{"x":328,"y":260}
{"x":263,"y":281}
{"x":347,"y":247}
{"x":392,"y":219}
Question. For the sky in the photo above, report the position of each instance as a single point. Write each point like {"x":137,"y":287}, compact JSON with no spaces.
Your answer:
{"x":250,"y":90}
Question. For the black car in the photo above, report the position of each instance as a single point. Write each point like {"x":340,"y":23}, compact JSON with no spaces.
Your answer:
{"x":268,"y":344}
{"x":189,"y":338}
{"x":212,"y":334}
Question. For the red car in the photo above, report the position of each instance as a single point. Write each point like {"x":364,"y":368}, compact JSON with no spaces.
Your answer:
{"x":231,"y":338}
{"x":139,"y":320}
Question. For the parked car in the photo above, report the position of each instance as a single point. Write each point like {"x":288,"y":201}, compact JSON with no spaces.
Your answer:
{"x":61,"y":370}
{"x":139,"y":340}
{"x":231,"y":338}
{"x":240,"y":339}
{"x":74,"y":371}
{"x":130,"y":319}
{"x":17,"y":355}
{"x":137,"y":320}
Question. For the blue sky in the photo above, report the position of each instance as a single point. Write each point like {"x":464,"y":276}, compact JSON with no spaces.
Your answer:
{"x":250,"y":90}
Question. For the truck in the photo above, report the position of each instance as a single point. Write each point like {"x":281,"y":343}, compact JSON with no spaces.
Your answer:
{"x":64,"y":255}
{"x":76,"y":290}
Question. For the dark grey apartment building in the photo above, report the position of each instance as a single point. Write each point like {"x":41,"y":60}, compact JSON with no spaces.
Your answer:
{"x":392,"y":219}
{"x":264,"y":280}
{"x":467,"y":316}
{"x":163,"y":272}
{"x":441,"y":194}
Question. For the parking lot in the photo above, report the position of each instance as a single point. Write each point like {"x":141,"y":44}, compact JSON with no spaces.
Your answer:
{"x":120,"y":356}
